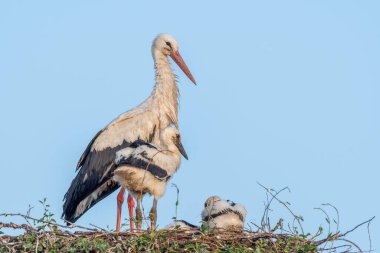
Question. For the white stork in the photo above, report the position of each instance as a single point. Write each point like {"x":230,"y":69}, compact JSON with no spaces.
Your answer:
{"x":145,"y":122}
{"x":222,"y":215}
{"x":182,"y":225}
{"x":145,"y":168}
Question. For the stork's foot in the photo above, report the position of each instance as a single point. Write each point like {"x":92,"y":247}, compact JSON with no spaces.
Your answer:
{"x":153,"y":215}
{"x":120,"y":201}
{"x":138,"y":221}
{"x":139,"y":216}
{"x":153,"y":220}
{"x":131,"y":204}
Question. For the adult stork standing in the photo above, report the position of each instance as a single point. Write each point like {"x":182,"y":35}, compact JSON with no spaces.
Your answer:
{"x":94,"y":181}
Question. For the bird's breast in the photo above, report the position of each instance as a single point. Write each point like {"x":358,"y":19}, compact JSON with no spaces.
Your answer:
{"x":139,"y":181}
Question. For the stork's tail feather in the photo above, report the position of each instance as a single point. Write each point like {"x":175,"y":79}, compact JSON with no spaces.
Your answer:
{"x":74,"y":208}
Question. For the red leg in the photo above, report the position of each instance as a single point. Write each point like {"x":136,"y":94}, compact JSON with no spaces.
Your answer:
{"x":120,"y":200}
{"x":131,"y":204}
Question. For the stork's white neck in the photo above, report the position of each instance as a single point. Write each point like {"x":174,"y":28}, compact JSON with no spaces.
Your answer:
{"x":165,"y":91}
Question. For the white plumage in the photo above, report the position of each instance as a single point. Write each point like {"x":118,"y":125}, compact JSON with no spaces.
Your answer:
{"x":182,"y":225}
{"x":160,"y":109}
{"x":222,"y":214}
{"x":145,"y":168}
{"x":94,"y":180}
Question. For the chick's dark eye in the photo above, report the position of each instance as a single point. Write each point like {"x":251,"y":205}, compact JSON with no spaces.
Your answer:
{"x":168,"y":43}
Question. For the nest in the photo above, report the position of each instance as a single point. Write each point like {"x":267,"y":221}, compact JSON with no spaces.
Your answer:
{"x":46,"y":235}
{"x":52,"y":238}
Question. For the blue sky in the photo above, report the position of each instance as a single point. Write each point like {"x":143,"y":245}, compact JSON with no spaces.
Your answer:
{"x":287,"y":95}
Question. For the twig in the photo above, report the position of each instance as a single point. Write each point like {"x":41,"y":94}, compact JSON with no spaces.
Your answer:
{"x":287,"y":207}
{"x":369,"y":237}
{"x":15,"y":226}
{"x":269,"y":202}
{"x":328,"y":222}
{"x":177,"y":201}
{"x":95,"y":226}
{"x":349,"y":231}
{"x":27,"y":217}
{"x":355,"y":245}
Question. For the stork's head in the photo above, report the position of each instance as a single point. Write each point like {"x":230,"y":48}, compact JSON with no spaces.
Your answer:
{"x":168,"y":46}
{"x":171,"y":137}
{"x":211,"y":200}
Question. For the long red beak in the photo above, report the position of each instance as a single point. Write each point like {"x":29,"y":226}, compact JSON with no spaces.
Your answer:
{"x":180,"y":62}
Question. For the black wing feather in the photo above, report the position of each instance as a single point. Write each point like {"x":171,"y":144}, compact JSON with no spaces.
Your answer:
{"x":139,"y":143}
{"x":186,"y":223}
{"x":99,"y":167}
{"x":155,"y":170}
{"x":224,"y":211}
{"x":87,"y":150}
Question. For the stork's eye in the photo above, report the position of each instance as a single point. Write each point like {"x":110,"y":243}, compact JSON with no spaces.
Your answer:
{"x":168,"y":43}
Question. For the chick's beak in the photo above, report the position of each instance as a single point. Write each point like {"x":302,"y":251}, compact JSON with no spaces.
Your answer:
{"x":180,"y":147}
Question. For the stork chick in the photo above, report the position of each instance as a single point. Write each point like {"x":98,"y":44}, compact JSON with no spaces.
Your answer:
{"x":223,"y":215}
{"x":182,"y":225}
{"x":146,"y":168}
